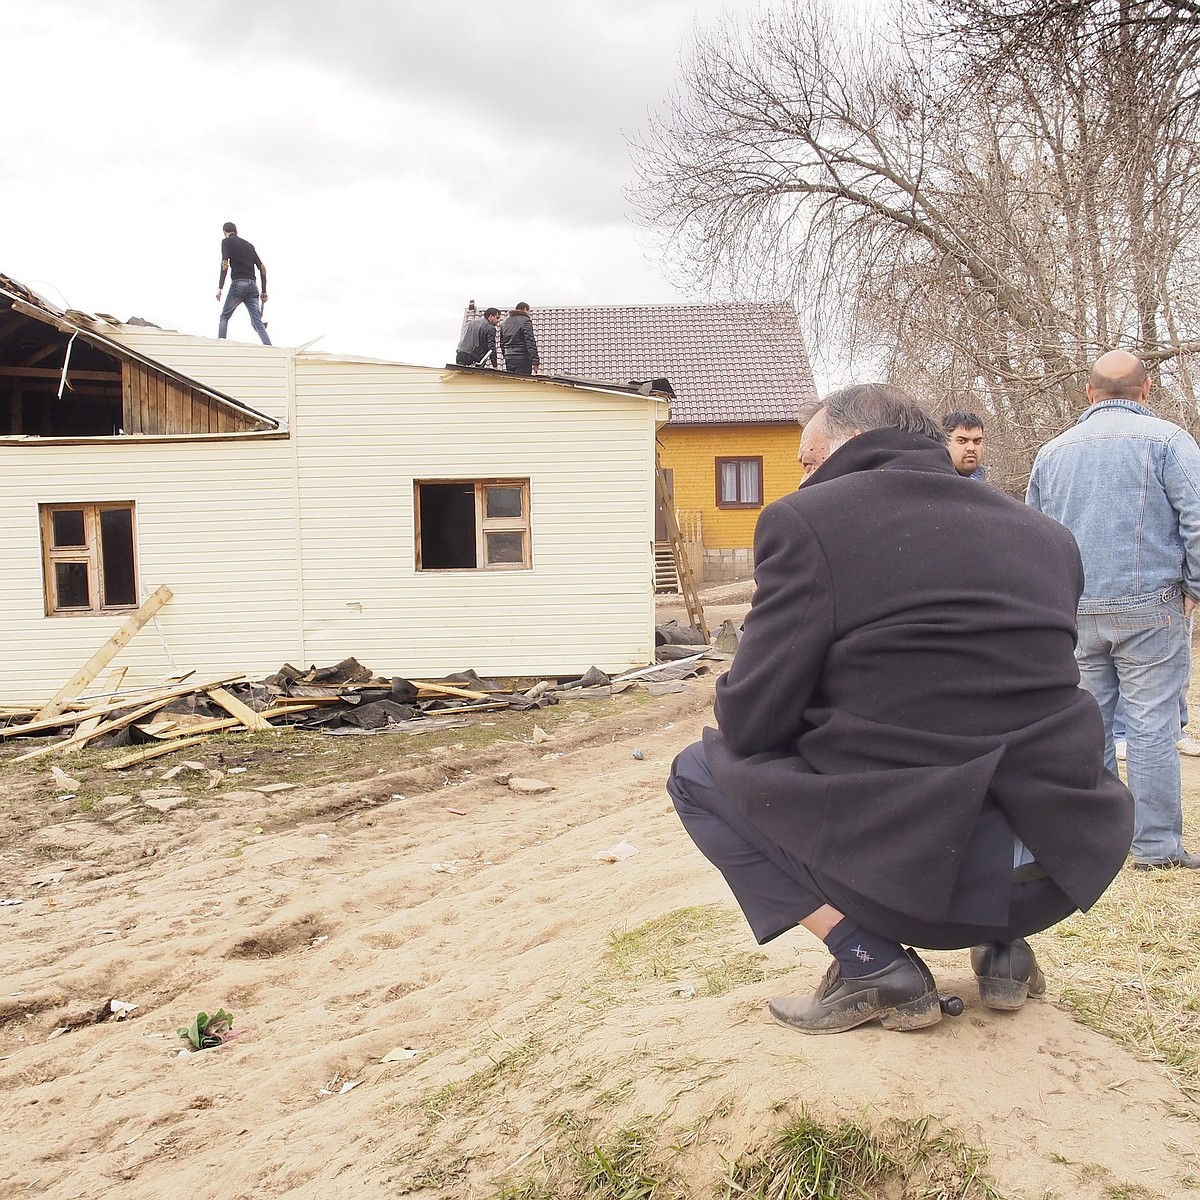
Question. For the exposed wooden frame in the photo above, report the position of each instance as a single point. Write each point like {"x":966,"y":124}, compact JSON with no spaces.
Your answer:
{"x":55,"y":373}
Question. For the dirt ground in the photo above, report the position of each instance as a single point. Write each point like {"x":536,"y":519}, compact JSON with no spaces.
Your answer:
{"x":398,"y":898}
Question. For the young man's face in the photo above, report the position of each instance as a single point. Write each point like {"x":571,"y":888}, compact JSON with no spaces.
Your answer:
{"x":494,"y":319}
{"x":966,"y":449}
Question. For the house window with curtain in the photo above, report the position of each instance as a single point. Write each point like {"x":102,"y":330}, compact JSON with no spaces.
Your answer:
{"x":740,"y":482}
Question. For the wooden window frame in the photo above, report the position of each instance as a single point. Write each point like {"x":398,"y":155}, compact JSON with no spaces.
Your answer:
{"x":739,"y":458}
{"x":90,"y":552}
{"x":484,"y":524}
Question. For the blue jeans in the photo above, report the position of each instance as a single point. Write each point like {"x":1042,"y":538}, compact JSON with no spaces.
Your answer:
{"x":1119,"y":719}
{"x":243,"y":291}
{"x":1140,"y":656}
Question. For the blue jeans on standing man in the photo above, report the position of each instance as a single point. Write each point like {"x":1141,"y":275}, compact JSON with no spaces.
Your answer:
{"x":243,"y":291}
{"x":1140,"y":655}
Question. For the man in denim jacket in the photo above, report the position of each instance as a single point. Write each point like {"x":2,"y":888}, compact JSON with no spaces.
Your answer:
{"x":1127,"y":485}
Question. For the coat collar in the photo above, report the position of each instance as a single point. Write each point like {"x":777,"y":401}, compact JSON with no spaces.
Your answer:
{"x":1117,"y":402}
{"x":883,"y":450}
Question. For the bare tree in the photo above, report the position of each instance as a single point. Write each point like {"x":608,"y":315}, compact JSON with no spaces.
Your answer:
{"x":979,"y":219}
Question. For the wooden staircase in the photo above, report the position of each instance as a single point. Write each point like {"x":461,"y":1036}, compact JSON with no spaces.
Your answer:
{"x":666,"y":578}
{"x":684,"y":575}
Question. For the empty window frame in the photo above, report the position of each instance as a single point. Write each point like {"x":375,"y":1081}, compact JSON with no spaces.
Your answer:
{"x":472,"y":524}
{"x":88,"y":558}
{"x":739,"y":482}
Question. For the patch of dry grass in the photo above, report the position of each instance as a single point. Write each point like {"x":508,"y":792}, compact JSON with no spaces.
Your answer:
{"x":801,"y":1160}
{"x":1130,"y":968}
{"x":697,"y":947}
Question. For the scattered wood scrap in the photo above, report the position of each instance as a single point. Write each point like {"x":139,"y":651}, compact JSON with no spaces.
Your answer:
{"x":150,"y":722}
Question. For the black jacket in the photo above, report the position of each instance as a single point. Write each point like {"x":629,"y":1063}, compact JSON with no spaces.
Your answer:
{"x":906,"y":697}
{"x":479,"y":342}
{"x":517,"y":340}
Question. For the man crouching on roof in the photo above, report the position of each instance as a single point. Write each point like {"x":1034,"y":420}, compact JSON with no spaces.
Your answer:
{"x":903,"y":754}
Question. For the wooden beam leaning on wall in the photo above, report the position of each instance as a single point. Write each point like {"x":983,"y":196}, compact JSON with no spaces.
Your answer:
{"x":104,"y":655}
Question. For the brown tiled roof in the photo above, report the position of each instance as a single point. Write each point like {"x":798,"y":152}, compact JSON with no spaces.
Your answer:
{"x":728,"y":363}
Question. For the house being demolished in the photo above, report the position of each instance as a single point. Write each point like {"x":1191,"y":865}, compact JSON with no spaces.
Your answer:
{"x":306,"y":507}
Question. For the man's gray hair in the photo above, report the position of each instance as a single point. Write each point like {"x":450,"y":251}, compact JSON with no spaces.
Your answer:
{"x":865,"y":406}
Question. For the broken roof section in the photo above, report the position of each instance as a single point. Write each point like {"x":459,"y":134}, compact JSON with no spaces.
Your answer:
{"x":62,"y":376}
{"x":728,"y":363}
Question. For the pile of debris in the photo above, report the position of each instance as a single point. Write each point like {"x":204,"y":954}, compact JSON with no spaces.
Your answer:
{"x":345,"y":698}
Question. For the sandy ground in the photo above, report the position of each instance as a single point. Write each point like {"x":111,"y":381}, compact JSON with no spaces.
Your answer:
{"x":323,"y":916}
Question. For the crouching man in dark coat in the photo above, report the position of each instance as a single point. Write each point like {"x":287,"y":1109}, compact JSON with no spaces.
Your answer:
{"x":903,"y":751}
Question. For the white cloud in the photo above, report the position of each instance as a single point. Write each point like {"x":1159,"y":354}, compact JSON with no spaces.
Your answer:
{"x":389,"y":160}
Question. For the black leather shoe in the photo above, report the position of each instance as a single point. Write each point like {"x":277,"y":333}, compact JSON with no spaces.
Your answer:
{"x":901,"y":996}
{"x":1007,"y":974}
{"x":1185,"y":858}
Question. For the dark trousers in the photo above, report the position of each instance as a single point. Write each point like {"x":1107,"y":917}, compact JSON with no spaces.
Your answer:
{"x":776,"y":890}
{"x":517,"y":366}
{"x":463,"y":359}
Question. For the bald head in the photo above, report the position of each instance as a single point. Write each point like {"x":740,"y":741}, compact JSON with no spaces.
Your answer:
{"x":1118,"y":375}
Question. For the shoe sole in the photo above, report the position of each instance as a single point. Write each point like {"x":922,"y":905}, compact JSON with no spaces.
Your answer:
{"x":1008,"y":995}
{"x":916,"y":1014}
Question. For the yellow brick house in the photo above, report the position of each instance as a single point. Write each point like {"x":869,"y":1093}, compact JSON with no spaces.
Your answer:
{"x":740,"y":376}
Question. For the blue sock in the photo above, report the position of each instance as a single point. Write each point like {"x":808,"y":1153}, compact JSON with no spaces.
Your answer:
{"x":859,"y":952}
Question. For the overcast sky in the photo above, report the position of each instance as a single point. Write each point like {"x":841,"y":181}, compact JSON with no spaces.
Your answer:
{"x":390,"y":159}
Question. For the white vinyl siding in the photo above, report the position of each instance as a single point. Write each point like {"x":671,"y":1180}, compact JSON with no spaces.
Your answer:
{"x":589,"y":459}
{"x":301,"y":548}
{"x":215,"y":522}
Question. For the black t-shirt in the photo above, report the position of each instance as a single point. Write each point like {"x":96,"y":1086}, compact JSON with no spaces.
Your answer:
{"x":241,"y":257}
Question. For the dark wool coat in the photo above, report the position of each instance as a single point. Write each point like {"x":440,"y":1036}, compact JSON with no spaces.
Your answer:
{"x":905,"y":696}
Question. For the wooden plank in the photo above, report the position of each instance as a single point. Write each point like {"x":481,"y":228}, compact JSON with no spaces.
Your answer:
{"x":116,"y":723}
{"x":112,"y":683}
{"x":444,"y":689}
{"x":160,"y":402}
{"x":462,"y":708}
{"x":129,"y":398}
{"x":244,"y":713}
{"x":85,"y":714}
{"x":143,"y":400}
{"x":217,"y":724}
{"x":175,"y":419}
{"x":105,"y":654}
{"x":55,"y":373}
{"x":149,"y":752}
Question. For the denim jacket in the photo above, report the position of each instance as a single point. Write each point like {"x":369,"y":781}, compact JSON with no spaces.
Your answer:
{"x":1127,"y":485}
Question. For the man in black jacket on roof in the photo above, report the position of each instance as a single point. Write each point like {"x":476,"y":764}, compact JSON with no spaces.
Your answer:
{"x":478,"y":343}
{"x":903,"y":751}
{"x":518,"y":343}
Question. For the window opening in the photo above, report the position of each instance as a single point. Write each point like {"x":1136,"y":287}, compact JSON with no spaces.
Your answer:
{"x":89,"y":558}
{"x":472,"y":525}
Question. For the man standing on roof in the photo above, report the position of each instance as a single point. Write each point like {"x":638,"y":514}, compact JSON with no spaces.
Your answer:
{"x":238,"y":259}
{"x":478,"y":343}
{"x":518,"y":343}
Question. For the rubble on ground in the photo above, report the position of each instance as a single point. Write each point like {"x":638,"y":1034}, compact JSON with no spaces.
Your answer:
{"x":347,"y":698}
